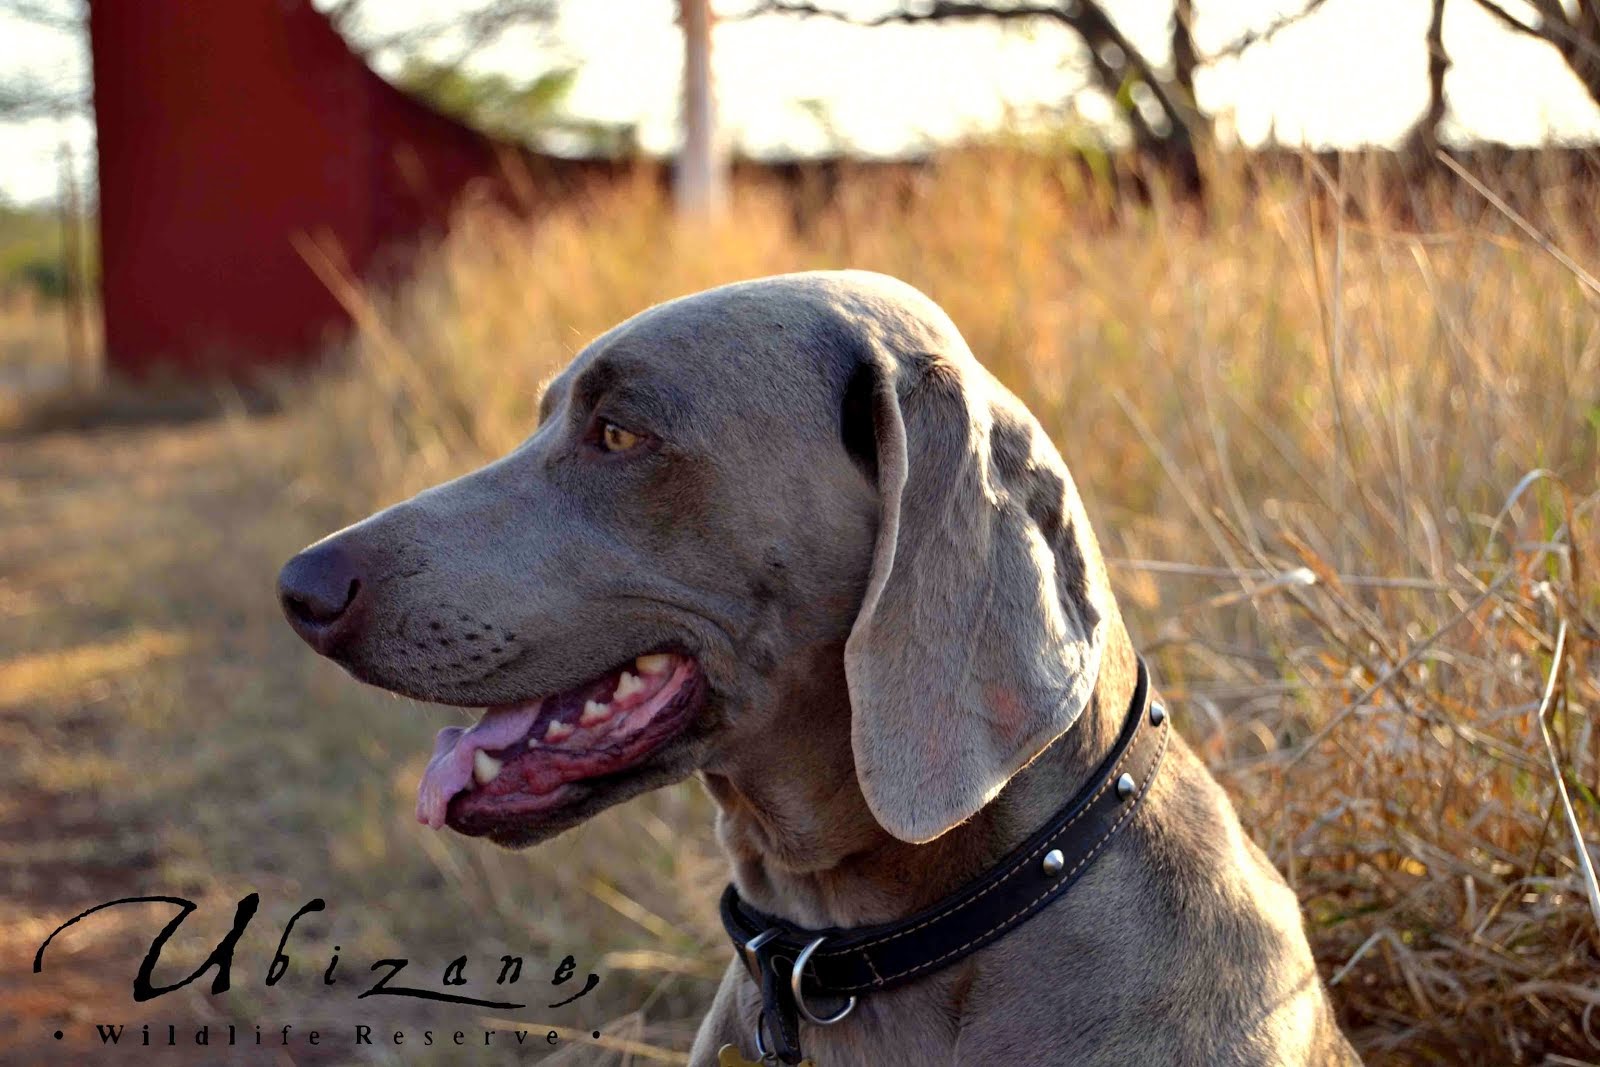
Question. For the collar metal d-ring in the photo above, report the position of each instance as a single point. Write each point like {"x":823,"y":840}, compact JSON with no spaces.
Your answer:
{"x":766,"y":1054}
{"x":751,"y":960}
{"x":754,"y":963}
{"x":795,"y":974}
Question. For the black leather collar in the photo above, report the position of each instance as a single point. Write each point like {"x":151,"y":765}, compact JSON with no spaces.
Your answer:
{"x":837,"y":964}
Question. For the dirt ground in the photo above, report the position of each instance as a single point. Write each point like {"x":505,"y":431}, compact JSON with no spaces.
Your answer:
{"x":84,"y":518}
{"x":106,"y":583}
{"x":163,"y":733}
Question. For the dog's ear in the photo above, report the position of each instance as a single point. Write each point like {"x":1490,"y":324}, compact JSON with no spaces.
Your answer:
{"x":977,"y":643}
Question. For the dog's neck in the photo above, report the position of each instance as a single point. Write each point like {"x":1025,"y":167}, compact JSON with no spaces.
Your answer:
{"x":806,"y":848}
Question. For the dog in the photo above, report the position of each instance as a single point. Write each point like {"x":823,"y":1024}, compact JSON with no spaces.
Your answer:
{"x":789,"y":536}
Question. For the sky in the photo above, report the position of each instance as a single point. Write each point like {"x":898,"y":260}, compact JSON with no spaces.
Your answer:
{"x":1352,"y":74}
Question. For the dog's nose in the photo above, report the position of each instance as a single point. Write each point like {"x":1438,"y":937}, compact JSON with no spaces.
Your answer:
{"x":320,"y":589}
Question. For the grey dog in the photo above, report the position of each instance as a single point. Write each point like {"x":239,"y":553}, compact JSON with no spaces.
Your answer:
{"x":790,"y":537}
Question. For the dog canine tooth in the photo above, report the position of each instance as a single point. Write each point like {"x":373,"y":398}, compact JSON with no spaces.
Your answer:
{"x":658,"y":663}
{"x":559,"y":731}
{"x":627,"y":686}
{"x":594,"y":712}
{"x":484,"y":767}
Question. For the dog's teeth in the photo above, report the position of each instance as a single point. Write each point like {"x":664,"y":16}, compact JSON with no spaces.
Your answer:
{"x":559,"y":731}
{"x":484,"y":767}
{"x":656,"y":664}
{"x":627,"y":686}
{"x":594,"y":712}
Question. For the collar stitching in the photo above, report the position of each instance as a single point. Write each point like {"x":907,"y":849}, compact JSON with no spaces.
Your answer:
{"x":1066,"y":879}
{"x":1023,"y":861}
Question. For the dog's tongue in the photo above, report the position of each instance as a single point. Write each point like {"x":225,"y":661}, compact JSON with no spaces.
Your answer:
{"x":450,"y":769}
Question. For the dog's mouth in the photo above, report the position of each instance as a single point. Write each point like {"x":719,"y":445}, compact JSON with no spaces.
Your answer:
{"x":523,"y":762}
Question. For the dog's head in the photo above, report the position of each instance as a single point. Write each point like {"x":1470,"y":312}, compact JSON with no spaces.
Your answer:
{"x":719,"y":489}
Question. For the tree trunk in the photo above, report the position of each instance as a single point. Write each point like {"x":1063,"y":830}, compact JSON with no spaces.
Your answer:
{"x":1582,"y":49}
{"x":1427,"y":131}
{"x":701,"y":183}
{"x":1185,"y":56}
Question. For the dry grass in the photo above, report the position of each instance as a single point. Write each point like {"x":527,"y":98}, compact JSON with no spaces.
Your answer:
{"x":33,"y":342}
{"x":1309,"y":443}
{"x":1329,"y":425}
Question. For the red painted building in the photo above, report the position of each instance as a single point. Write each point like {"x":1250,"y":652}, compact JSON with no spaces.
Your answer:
{"x":233,"y":132}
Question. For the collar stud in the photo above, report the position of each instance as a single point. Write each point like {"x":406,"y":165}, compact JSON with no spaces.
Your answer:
{"x":788,"y":963}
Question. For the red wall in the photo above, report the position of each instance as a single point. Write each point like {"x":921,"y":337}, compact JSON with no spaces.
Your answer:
{"x":226,"y":128}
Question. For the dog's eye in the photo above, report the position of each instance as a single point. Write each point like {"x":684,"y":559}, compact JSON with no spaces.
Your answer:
{"x":614,"y":438}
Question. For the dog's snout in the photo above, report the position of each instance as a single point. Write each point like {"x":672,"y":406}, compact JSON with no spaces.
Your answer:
{"x":320,"y":589}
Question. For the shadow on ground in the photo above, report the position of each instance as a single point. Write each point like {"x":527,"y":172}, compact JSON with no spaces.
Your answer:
{"x":161,"y":732}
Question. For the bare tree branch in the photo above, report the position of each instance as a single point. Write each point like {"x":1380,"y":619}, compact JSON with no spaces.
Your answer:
{"x":937,"y":11}
{"x":343,"y":14}
{"x":1549,"y":10}
{"x":478,"y":27}
{"x":1508,"y":20}
{"x":1113,"y":57}
{"x":1589,"y":19}
{"x":1185,"y":56}
{"x":1576,"y":36}
{"x":1553,"y":27}
{"x":1245,"y":41}
{"x":65,"y":17}
{"x":1425,"y":135}
{"x":26,"y":96}
{"x":25,"y":100}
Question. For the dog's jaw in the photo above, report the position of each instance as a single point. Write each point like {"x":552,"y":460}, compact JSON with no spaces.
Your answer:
{"x":527,"y":762}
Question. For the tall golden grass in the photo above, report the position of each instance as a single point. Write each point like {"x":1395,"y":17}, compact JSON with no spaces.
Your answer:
{"x":1346,"y":472}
